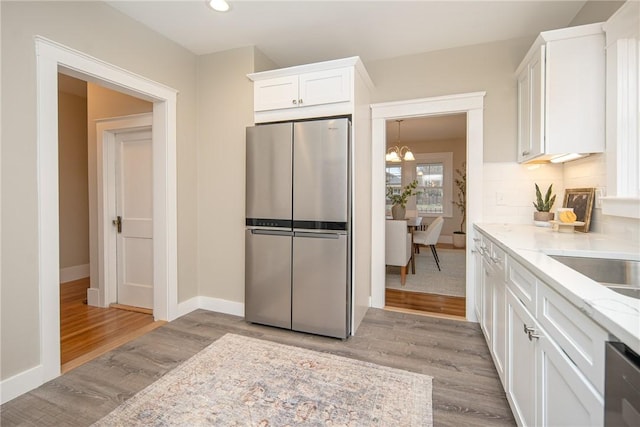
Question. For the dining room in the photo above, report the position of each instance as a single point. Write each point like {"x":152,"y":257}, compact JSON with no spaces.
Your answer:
{"x":425,"y":211}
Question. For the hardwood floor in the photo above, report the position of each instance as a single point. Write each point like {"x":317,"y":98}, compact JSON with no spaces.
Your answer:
{"x":466,"y":388}
{"x":428,"y":303}
{"x":87,"y":332}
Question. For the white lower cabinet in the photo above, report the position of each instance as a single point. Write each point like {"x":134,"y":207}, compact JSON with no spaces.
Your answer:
{"x":521,"y":353}
{"x":544,"y":387}
{"x":548,"y":354}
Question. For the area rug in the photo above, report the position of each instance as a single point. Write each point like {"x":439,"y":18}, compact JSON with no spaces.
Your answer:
{"x":242,"y":381}
{"x":450,"y":281}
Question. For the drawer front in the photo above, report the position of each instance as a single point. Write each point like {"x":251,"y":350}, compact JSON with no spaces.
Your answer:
{"x":579,"y":337}
{"x":523,"y":284}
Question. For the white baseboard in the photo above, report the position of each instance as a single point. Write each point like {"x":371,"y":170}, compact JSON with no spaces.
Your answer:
{"x":211,"y":304}
{"x":93,"y":297}
{"x":76,"y":272}
{"x":21,"y":383}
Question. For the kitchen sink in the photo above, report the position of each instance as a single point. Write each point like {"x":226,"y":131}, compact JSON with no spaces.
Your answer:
{"x":621,"y":276}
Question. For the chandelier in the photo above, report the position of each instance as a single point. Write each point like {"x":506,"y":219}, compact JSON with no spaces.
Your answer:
{"x":397,"y":153}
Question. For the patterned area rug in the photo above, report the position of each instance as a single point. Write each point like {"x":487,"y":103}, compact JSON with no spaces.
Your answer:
{"x":241,"y":381}
{"x":450,"y":281}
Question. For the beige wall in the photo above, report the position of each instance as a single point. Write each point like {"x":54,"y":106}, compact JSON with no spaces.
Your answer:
{"x":100,"y":31}
{"x":487,"y":67}
{"x":72,"y":180}
{"x":596,"y":11}
{"x":225,"y":108}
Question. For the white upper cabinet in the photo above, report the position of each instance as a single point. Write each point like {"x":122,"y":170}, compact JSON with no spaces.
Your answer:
{"x":561,"y":94}
{"x":308,"y":89}
{"x":312,"y":90}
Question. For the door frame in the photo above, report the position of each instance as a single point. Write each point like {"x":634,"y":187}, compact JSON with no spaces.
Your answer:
{"x":107,"y":129}
{"x":51,"y":58}
{"x":470,"y":103}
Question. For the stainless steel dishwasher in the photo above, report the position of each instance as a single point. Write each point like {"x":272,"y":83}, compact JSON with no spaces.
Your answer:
{"x":622,"y":386}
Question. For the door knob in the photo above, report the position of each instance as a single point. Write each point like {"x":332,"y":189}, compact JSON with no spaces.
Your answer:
{"x":118,"y":223}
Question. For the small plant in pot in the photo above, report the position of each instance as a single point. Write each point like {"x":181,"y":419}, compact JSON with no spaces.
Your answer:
{"x":459,"y":237}
{"x":542,"y":216}
{"x":400,"y":200}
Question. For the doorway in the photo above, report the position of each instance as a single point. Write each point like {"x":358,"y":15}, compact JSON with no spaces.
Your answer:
{"x":435,"y":283}
{"x":469,"y":103}
{"x":52,"y":58}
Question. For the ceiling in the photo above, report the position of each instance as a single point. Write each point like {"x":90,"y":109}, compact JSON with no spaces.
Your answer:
{"x":303,"y":31}
{"x":423,"y":129}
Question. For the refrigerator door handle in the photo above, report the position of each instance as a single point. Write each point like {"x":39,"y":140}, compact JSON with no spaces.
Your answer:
{"x":316,"y":235}
{"x":272,"y":232}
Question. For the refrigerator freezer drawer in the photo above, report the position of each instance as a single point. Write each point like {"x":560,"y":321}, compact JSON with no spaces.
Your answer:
{"x":321,"y":296}
{"x":268,"y":278}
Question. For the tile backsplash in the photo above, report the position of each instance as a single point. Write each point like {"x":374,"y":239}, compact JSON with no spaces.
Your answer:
{"x":509,"y":192}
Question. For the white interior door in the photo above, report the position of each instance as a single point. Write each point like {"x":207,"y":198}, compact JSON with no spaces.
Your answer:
{"x":134,"y":218}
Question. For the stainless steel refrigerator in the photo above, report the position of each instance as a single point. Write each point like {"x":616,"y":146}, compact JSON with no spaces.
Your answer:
{"x":298,"y":228}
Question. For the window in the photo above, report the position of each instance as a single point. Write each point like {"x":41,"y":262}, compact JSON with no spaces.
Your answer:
{"x":394,"y":180}
{"x":434,"y":172}
{"x":430,"y":178}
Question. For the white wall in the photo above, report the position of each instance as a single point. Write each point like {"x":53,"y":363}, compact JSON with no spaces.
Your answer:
{"x":98,"y":30}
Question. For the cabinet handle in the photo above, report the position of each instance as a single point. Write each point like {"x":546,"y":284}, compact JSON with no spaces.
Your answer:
{"x":526,"y":153}
{"x":300,"y":101}
{"x":476,"y":239}
{"x":531,"y":332}
{"x":295,"y":102}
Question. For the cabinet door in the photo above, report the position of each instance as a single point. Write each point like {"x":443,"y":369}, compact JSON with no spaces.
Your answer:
{"x":487,"y":302}
{"x":566,"y":396}
{"x":537,"y":100}
{"x":478,"y":274}
{"x":531,"y":104}
{"x":325,"y":87}
{"x":521,"y":362}
{"x":524,"y":116}
{"x":499,"y":349}
{"x":274,"y":94}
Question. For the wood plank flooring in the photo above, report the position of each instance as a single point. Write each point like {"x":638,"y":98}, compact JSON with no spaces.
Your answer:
{"x":430,"y":303}
{"x":466,"y":388}
{"x":93,"y":330}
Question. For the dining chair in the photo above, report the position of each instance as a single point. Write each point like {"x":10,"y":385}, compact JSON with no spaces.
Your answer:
{"x":430,"y":238}
{"x":398,"y":250}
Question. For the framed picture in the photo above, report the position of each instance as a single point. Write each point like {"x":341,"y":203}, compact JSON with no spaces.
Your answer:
{"x":581,"y":200}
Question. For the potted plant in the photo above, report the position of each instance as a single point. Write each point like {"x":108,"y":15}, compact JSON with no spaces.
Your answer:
{"x":542,"y":216}
{"x":460,"y":237}
{"x":400,"y":200}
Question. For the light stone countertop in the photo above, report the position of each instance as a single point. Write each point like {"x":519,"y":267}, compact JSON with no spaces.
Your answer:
{"x":530,"y":245}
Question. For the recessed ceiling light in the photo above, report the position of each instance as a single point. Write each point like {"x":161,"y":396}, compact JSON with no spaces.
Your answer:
{"x":218,"y":5}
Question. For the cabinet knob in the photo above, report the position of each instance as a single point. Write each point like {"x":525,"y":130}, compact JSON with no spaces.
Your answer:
{"x":300,"y":101}
{"x":294,"y":102}
{"x":526,"y":153}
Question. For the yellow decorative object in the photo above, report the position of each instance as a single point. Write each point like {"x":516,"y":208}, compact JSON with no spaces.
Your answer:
{"x":568,"y":217}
